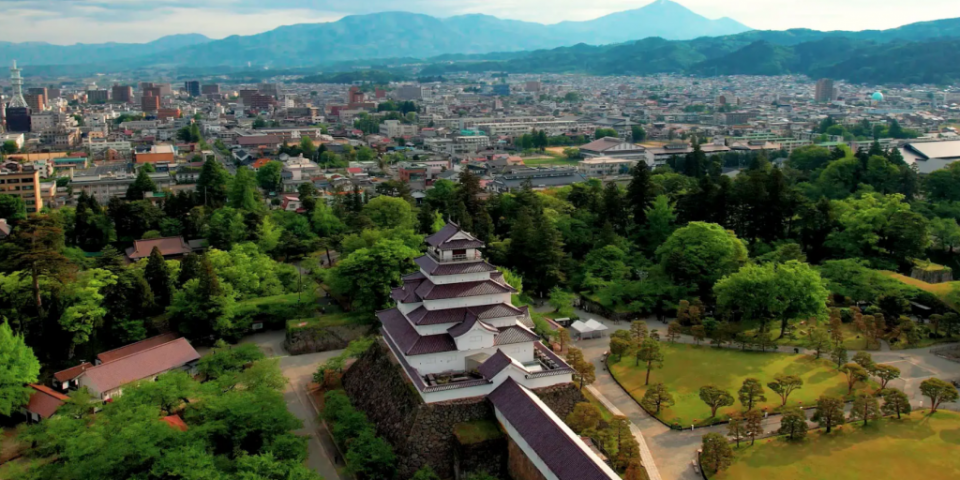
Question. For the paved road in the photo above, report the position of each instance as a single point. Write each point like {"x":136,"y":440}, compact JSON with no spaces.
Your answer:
{"x":299,"y":370}
{"x":673,"y":452}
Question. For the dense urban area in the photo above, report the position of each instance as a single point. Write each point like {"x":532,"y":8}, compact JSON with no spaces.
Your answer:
{"x":477,"y":273}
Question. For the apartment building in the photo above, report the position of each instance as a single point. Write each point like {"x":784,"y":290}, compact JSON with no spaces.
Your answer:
{"x":24,"y":181}
{"x":516,"y":129}
{"x":395,"y":129}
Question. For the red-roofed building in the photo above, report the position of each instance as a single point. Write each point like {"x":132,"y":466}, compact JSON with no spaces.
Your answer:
{"x":66,"y":379}
{"x":258,"y":163}
{"x":107,"y":380}
{"x":127,"y":350}
{"x":176,"y":422}
{"x":43,"y":403}
{"x":170,"y":247}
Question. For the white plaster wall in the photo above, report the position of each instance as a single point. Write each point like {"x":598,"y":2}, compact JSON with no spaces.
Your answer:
{"x":462,"y":278}
{"x":433,"y":329}
{"x":406,"y":308}
{"x":441,"y":362}
{"x":475,"y":339}
{"x":446,"y":303}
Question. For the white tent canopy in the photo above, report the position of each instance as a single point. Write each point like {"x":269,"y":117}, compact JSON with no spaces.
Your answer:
{"x":589,"y":329}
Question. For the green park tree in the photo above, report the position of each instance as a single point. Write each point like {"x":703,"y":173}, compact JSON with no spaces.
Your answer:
{"x":829,"y":412}
{"x":656,"y":397}
{"x":20,"y":367}
{"x":715,"y":398}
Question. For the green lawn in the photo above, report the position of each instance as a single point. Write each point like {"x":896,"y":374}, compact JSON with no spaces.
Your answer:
{"x":918,"y":446}
{"x":686,"y":368}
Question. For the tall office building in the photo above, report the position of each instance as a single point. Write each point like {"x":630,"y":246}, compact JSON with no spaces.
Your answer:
{"x":39,"y":91}
{"x":213,"y":89}
{"x":18,"y":111}
{"x":825,"y":91}
{"x":98,"y":96}
{"x":122,"y":93}
{"x":36,"y":102}
{"x":271,"y":89}
{"x":150,"y":104}
{"x":192,"y":87}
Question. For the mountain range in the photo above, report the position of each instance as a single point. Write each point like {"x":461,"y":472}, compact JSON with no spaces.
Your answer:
{"x":382,"y":35}
{"x":927,"y":52}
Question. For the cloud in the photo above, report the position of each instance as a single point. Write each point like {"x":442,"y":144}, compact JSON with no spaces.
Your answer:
{"x":88,"y":21}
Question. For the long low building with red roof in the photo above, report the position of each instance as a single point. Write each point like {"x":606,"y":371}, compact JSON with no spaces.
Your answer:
{"x":143,"y":360}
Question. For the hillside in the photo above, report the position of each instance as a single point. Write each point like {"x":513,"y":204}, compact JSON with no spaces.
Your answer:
{"x":892,"y":56}
{"x":386,"y":35}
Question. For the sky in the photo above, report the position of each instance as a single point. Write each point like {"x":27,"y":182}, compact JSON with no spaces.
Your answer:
{"x":66,"y":22}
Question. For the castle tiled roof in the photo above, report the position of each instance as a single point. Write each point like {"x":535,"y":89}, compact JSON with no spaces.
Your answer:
{"x":408,"y":340}
{"x":429,"y":291}
{"x":514,"y":334}
{"x":494,"y":365}
{"x":442,"y":239}
{"x":562,"y":451}
{"x":422,"y":316}
{"x":465,"y":326}
{"x":432,"y":267}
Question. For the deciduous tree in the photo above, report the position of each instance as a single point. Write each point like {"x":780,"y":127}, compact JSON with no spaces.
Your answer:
{"x":829,"y":412}
{"x":865,"y":407}
{"x":938,"y":391}
{"x":716,"y":453}
{"x":715,"y":398}
{"x":19,"y":367}
{"x":585,"y":416}
{"x":793,"y":424}
{"x":751,"y":393}
{"x":885,"y":373}
{"x":657,"y":396}
{"x":855,"y":374}
{"x":649,"y":353}
{"x":754,"y":423}
{"x":783,"y":385}
{"x":895,"y":402}
{"x":737,"y":428}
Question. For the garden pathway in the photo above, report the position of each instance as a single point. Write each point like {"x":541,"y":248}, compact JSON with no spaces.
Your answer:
{"x":674,"y":452}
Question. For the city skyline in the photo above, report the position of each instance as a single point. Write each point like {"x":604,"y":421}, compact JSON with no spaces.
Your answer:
{"x":98,"y":21}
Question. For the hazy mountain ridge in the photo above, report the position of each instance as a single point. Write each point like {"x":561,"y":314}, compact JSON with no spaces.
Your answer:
{"x":383,"y":35}
{"x":42,"y":53}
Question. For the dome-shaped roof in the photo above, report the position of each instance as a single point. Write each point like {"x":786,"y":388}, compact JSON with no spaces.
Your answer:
{"x":877,"y":96}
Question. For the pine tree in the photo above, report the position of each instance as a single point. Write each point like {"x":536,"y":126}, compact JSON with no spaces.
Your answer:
{"x":142,"y":184}
{"x":640,"y":193}
{"x":614,"y":210}
{"x":425,"y":219}
{"x":483,"y":227}
{"x":157,"y":276}
{"x":548,"y":255}
{"x":243,"y":191}
{"x":189,"y":268}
